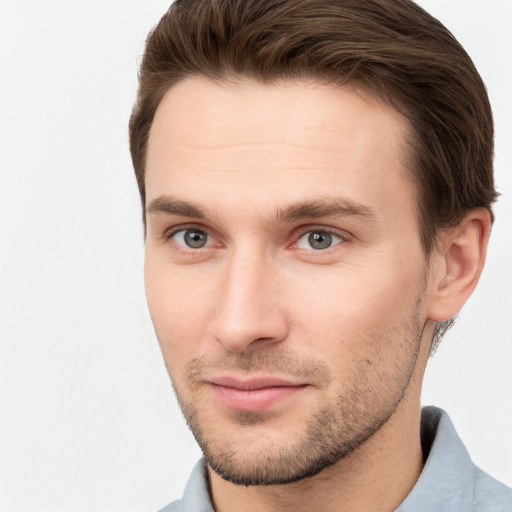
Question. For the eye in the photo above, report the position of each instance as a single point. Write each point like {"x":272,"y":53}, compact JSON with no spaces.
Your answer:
{"x":318,"y":240}
{"x":191,"y":238}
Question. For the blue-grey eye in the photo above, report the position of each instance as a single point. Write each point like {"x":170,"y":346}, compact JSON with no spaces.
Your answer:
{"x":318,"y":240}
{"x":191,"y":238}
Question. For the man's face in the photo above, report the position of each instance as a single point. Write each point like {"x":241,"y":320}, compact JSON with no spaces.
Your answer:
{"x":284,"y":271}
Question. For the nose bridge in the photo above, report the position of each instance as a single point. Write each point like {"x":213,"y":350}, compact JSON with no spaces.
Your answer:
{"x":248,"y":313}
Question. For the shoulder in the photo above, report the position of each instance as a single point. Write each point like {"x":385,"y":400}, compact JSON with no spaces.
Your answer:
{"x":196,"y":496}
{"x":489,"y":495}
{"x":450,"y":481}
{"x":175,"y":506}
{"x":485,"y":494}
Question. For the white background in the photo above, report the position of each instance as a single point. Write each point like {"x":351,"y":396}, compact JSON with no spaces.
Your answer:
{"x":87,"y":418}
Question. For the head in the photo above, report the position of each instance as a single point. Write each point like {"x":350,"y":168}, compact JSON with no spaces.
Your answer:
{"x":240,"y":195}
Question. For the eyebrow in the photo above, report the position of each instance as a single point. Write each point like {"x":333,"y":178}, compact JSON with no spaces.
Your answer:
{"x":324,"y":207}
{"x":171,"y":206}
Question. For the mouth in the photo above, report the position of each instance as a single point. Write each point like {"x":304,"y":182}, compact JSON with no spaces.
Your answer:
{"x":253,"y":394}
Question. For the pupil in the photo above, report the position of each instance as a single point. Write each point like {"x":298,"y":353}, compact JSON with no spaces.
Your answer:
{"x":195,"y":239}
{"x":319,"y":240}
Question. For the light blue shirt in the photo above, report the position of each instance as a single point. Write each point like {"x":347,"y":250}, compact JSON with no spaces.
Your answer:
{"x":449,"y":482}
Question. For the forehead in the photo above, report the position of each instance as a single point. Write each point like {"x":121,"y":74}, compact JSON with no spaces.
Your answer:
{"x":245,"y":139}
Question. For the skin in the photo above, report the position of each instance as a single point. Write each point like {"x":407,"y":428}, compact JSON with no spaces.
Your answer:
{"x":253,"y":170}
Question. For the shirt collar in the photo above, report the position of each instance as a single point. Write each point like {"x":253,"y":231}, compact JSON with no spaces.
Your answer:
{"x":447,"y":480}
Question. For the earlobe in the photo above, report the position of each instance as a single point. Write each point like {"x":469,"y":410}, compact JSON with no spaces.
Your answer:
{"x":460,"y":261}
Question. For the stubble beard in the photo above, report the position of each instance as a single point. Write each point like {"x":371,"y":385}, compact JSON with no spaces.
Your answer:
{"x":331,"y":433}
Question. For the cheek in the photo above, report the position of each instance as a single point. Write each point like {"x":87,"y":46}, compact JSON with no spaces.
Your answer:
{"x":334,"y":297}
{"x":350,"y":307}
{"x":176,"y":301}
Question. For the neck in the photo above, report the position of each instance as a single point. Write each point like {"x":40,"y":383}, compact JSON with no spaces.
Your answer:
{"x":377,"y":476}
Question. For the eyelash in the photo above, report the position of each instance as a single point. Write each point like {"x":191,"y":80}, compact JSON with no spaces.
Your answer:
{"x":319,"y":229}
{"x":168,"y":235}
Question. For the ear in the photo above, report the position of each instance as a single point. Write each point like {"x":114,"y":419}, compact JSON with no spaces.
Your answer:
{"x":458,"y":264}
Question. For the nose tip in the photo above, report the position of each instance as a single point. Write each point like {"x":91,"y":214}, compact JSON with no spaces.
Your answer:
{"x":249,"y":313}
{"x":248,"y":337}
{"x":245,"y":323}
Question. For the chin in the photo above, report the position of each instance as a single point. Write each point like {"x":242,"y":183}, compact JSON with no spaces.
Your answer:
{"x":265,"y":457}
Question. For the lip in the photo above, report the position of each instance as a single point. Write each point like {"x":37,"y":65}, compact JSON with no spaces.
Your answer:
{"x":255,"y":393}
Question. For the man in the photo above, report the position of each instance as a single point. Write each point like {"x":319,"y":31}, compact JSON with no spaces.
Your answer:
{"x":316,"y":181}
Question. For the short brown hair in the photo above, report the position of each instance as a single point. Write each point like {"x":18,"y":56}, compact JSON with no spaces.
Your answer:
{"x":393,"y":47}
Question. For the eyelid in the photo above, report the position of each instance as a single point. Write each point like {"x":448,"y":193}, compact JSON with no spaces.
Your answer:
{"x":299,"y":233}
{"x":213,"y":241}
{"x":304,"y":230}
{"x":170,"y":232}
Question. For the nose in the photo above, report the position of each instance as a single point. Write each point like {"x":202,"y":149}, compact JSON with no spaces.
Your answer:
{"x":249,"y":312}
